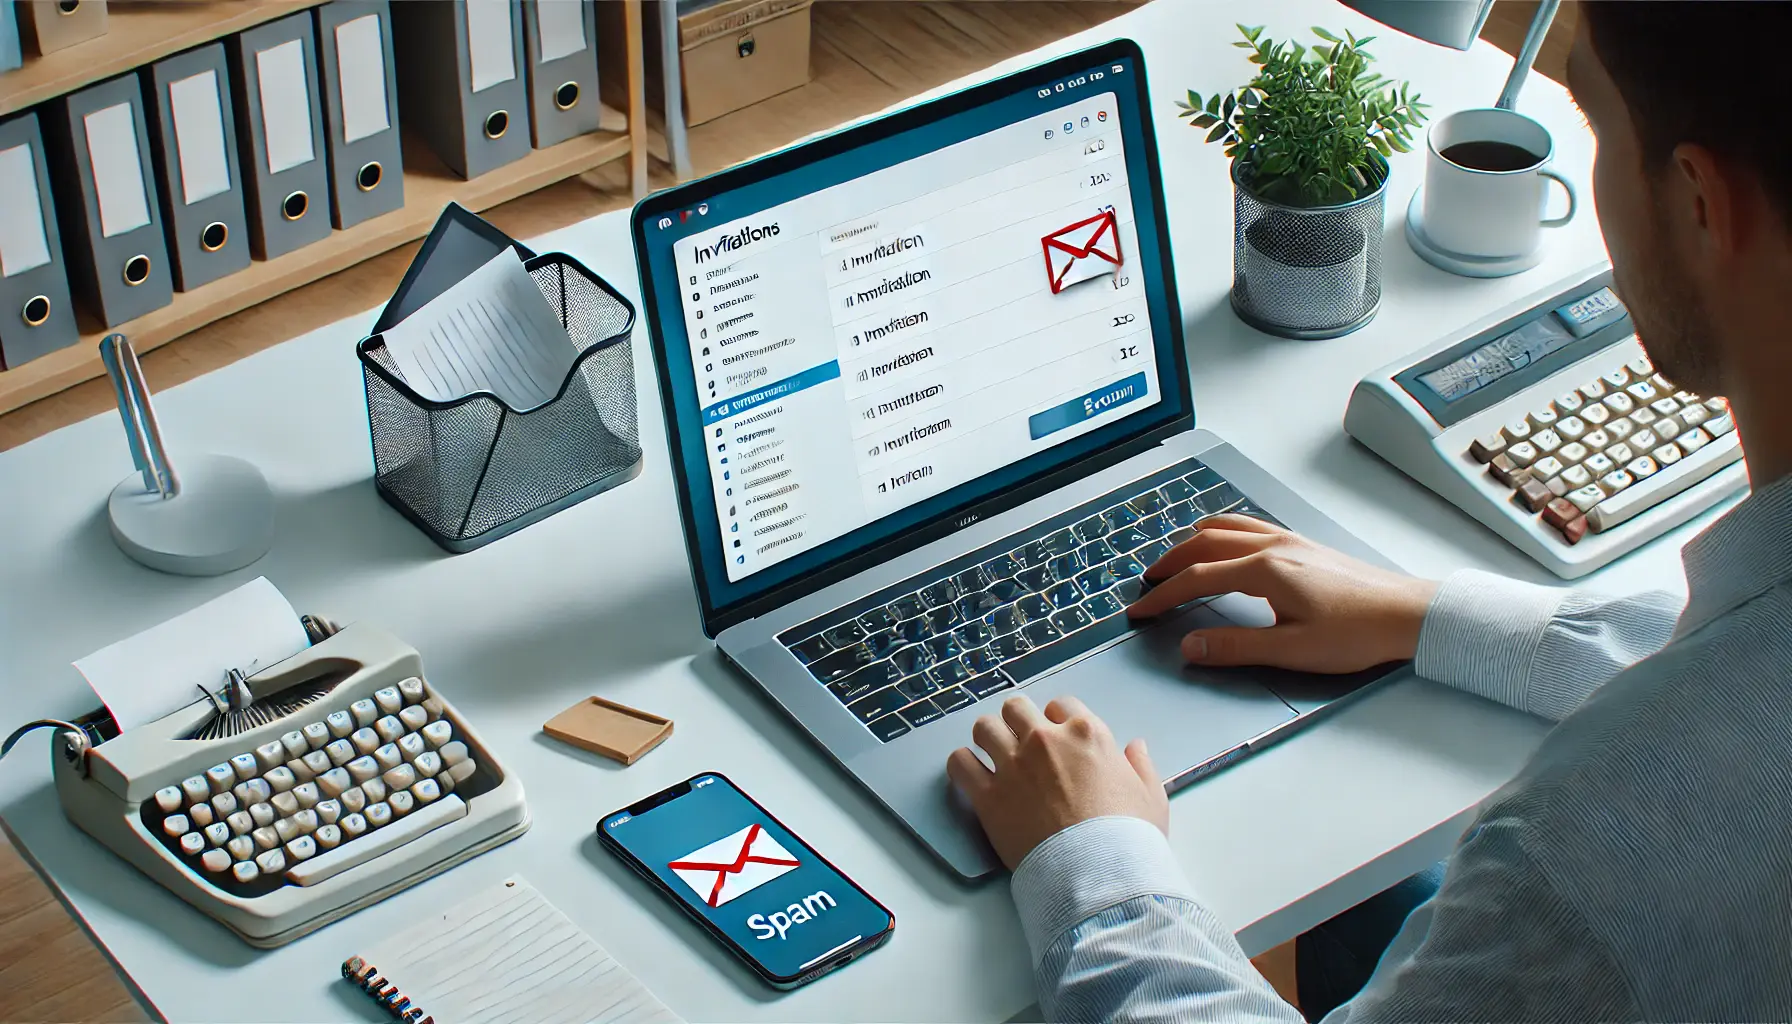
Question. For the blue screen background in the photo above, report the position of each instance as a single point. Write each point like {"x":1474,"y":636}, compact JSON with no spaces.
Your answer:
{"x":714,"y":809}
{"x":1019,"y":105}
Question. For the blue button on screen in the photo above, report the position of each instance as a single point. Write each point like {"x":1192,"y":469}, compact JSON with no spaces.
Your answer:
{"x":1089,"y":406}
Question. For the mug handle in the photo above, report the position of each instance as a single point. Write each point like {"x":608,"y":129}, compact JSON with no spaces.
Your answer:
{"x":1568,"y":187}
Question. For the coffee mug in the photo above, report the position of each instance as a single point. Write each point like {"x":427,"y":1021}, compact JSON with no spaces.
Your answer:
{"x":1486,"y":174}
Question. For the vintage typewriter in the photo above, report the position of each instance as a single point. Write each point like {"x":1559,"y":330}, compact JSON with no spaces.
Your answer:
{"x":288,"y":799}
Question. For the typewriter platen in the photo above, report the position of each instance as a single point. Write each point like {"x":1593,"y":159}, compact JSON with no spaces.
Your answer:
{"x":339,"y":778}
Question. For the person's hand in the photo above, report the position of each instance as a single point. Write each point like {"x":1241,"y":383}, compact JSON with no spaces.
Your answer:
{"x":1052,"y":770}
{"x":1333,"y":613}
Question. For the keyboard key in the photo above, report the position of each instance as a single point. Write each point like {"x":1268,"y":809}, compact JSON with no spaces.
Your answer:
{"x":1688,"y":471}
{"x":1072,"y":619}
{"x":1620,"y":403}
{"x":1560,"y":513}
{"x":1005,"y":620}
{"x":988,"y":683}
{"x":907,"y":607}
{"x":1719,"y":425}
{"x":1641,"y":467}
{"x":1616,"y":481}
{"x":1546,"y":441}
{"x":1007,"y":648}
{"x":913,"y":631}
{"x":1035,"y":579}
{"x":1096,"y":580}
{"x":1668,"y":427}
{"x":1103,"y":605}
{"x":1183,"y":513}
{"x":1507,"y":472}
{"x":1617,"y":378}
{"x":911,"y":659}
{"x":1033,"y":607}
{"x":1664,"y":406}
{"x":1544,"y":417}
{"x":1001,"y":567}
{"x":1064,"y":595}
{"x":917,"y":686}
{"x":811,"y":649}
{"x":1594,"y":415}
{"x":888,"y":727}
{"x":1150,"y":553}
{"x":973,"y":635}
{"x":1571,"y":428}
{"x":953,"y":699}
{"x":1096,"y":552}
{"x":1127,"y":538}
{"x":920,"y":713}
{"x":1643,"y":417}
{"x":1218,"y":499}
{"x":950,"y":674}
{"x":1091,"y":528}
{"x":942,"y":593}
{"x":881,"y":644}
{"x":941,"y":619}
{"x":865,"y":681}
{"x":1040,"y":633}
{"x":1484,"y":448}
{"x":1547,"y":467}
{"x":1643,"y":440}
{"x":1620,"y":453}
{"x":1576,"y":477}
{"x":837,"y":665}
{"x":878,"y":619}
{"x":977,"y":605}
{"x":1031,"y":554}
{"x":1119,"y":516}
{"x":1643,"y":391}
{"x":1148,"y":503}
{"x":1065,"y":567}
{"x":1005,"y":591}
{"x":1572,"y":452}
{"x":1568,"y":401}
{"x":1599,"y":464}
{"x":1176,"y":490}
{"x":1535,"y":494}
{"x":878,"y":704}
{"x":1667,"y":455}
{"x":1692,"y":440}
{"x":1587,"y":497}
{"x":980,"y":660}
{"x":1593,"y":391}
{"x":1516,"y":430}
{"x":1061,"y":543}
{"x":972,"y":580}
{"x":1126,"y":567}
{"x":1522,"y":454}
{"x":844,"y":635}
{"x":1203,"y":478}
{"x":1153,"y":526}
{"x":943,"y":647}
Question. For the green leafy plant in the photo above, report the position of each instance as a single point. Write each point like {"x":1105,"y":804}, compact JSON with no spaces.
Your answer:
{"x":1315,"y":127}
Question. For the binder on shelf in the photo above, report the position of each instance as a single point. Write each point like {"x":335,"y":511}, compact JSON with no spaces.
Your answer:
{"x":286,"y":181}
{"x":354,"y":46}
{"x":559,"y":39}
{"x":193,"y":141}
{"x":51,"y":25}
{"x":11,"y":56}
{"x":461,"y":80}
{"x":35,"y":315}
{"x":117,"y":258}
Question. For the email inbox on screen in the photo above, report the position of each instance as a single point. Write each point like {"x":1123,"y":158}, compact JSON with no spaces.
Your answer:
{"x":876,"y":343}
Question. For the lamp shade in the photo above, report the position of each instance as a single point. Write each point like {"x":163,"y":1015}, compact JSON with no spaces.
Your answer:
{"x":1452,"y":23}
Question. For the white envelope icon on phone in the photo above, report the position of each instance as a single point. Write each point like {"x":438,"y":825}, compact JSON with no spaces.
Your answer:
{"x":734,"y":865}
{"x":1084,"y":250}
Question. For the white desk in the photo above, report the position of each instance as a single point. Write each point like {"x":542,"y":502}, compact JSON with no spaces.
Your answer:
{"x":598,"y":600}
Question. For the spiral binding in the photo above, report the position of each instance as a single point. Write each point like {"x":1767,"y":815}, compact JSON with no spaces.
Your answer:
{"x":367,"y":977}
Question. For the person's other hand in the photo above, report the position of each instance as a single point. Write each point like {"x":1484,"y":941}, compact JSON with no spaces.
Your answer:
{"x":1333,"y":613}
{"x":1052,"y":770}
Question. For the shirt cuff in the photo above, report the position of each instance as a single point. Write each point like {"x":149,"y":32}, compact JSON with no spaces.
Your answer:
{"x":1481,"y":634}
{"x":1087,"y":868}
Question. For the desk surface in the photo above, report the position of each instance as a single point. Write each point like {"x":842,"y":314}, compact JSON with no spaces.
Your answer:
{"x":598,"y":600}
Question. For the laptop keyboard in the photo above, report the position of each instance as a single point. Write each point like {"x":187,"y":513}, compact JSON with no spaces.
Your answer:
{"x":940,"y":642}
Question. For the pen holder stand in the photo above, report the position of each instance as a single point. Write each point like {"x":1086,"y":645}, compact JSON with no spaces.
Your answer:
{"x":471,"y":470}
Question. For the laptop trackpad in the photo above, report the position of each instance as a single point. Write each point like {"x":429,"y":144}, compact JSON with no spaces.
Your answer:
{"x":1187,"y":715}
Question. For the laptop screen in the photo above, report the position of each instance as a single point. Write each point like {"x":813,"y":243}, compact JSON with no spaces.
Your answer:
{"x":858,"y":339}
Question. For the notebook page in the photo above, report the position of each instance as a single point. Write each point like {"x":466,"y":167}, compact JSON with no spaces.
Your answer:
{"x":493,"y":331}
{"x":508,"y":955}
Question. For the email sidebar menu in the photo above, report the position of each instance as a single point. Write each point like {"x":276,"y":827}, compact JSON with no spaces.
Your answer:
{"x":880,"y":341}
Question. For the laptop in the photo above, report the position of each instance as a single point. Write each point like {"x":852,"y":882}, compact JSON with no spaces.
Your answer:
{"x":930,"y":418}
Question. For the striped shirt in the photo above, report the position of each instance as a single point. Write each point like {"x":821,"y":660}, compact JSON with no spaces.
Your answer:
{"x":1638,"y":867}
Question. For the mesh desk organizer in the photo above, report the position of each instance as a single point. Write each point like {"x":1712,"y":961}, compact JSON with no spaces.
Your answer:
{"x":471,"y":470}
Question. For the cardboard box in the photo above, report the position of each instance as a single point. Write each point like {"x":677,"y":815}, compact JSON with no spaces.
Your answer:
{"x":734,"y":53}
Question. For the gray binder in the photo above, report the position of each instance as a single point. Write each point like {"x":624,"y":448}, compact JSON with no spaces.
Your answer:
{"x":462,"y":90}
{"x":354,"y":44}
{"x":35,"y":315}
{"x":11,"y":56}
{"x":98,"y":143}
{"x":51,"y":25}
{"x":560,"y":40}
{"x":194,"y":142}
{"x":279,"y":120}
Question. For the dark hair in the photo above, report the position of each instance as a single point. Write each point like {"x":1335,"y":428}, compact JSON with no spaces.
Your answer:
{"x":1689,"y":72}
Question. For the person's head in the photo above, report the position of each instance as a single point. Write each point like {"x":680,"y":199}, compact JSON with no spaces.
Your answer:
{"x":1693,"y":178}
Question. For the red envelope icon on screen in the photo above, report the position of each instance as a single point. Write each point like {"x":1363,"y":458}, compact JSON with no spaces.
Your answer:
{"x":734,"y":865}
{"x":1084,"y":250}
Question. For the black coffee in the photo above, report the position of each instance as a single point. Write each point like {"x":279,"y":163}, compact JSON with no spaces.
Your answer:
{"x":1491,"y":156}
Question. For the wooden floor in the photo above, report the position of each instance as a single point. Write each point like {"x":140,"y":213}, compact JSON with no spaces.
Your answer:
{"x":867,"y":55}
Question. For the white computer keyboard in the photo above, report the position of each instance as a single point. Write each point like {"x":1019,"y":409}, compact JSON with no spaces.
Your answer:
{"x":1548,"y":423}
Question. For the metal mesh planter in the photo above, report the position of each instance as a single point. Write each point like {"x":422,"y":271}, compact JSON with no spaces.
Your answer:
{"x":1307,"y":273}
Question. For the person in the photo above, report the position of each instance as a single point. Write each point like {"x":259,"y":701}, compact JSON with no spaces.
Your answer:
{"x":1640,"y":865}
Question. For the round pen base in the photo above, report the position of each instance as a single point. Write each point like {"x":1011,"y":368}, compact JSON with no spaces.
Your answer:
{"x":1455,"y":262}
{"x":222,"y":519}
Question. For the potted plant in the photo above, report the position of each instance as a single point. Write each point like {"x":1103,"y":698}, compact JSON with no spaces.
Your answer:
{"x":1309,"y":139}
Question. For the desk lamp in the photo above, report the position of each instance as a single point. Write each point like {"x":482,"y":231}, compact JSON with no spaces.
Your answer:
{"x":1457,"y":24}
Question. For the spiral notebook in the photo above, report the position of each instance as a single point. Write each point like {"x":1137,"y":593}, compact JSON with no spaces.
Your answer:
{"x":504,"y":955}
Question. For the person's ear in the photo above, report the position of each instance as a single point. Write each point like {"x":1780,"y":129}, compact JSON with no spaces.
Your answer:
{"x":1714,"y":199}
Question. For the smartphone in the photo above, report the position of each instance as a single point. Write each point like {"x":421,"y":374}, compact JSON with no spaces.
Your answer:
{"x":748,"y":880}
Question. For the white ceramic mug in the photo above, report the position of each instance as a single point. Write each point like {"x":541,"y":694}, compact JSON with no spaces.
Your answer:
{"x":1487,"y":214}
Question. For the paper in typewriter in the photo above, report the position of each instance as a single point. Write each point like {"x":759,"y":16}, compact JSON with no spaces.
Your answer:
{"x":508,"y":954}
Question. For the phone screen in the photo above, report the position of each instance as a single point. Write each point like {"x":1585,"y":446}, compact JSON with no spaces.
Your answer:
{"x":752,"y":880}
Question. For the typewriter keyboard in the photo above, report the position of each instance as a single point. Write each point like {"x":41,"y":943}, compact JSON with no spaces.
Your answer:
{"x":323,"y":798}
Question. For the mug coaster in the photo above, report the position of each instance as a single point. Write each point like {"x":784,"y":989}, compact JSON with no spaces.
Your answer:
{"x":616,"y":731}
{"x":1457,"y":263}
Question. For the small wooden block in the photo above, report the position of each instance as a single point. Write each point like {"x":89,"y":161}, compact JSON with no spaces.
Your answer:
{"x":616,"y":731}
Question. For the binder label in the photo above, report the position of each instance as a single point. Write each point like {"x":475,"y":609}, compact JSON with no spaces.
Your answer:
{"x":199,"y":135}
{"x":285,"y":105}
{"x":361,"y":78}
{"x":491,"y":53}
{"x":23,"y":245}
{"x":117,"y":168}
{"x":560,"y":27}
